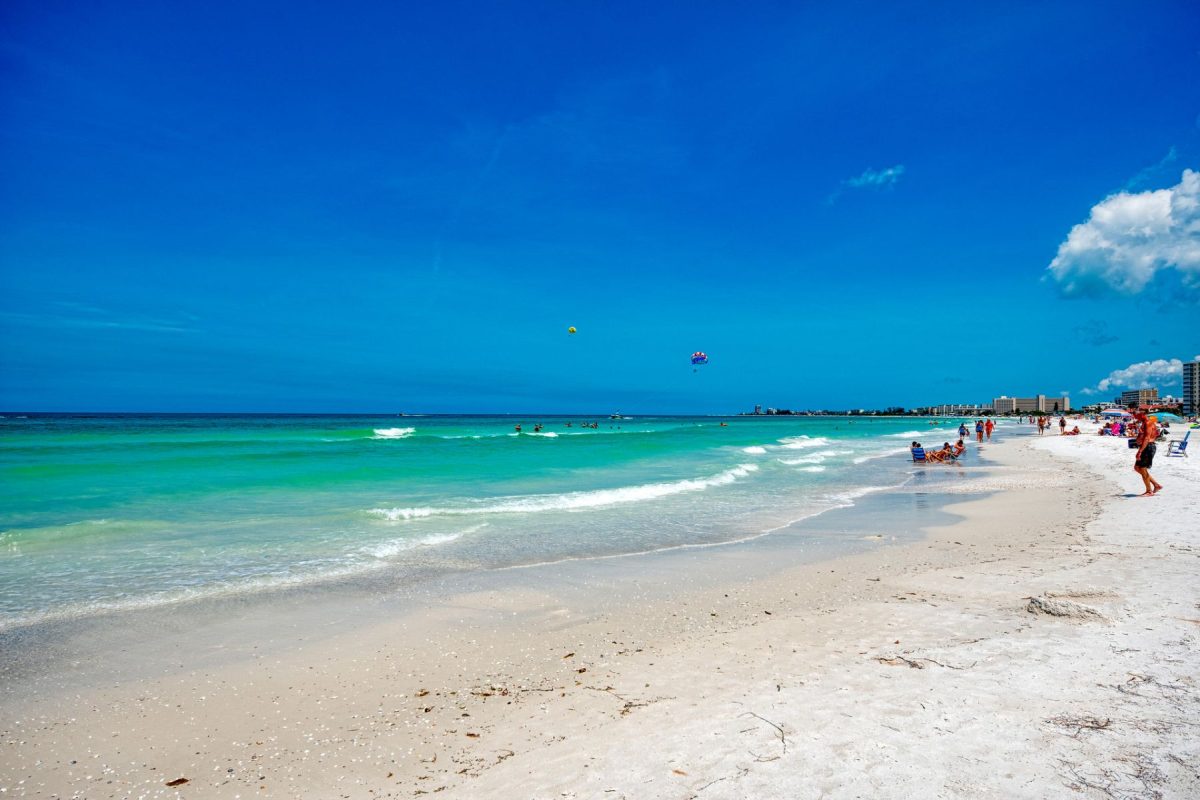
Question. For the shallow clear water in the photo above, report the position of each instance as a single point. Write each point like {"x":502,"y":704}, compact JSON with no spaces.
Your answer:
{"x":101,"y":512}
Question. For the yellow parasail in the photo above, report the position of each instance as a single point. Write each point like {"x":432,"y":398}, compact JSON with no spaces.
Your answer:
{"x":571,"y":329}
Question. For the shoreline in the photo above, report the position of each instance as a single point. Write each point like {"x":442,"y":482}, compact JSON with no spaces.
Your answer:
{"x":75,"y":561}
{"x":371,"y":596}
{"x":705,"y":665}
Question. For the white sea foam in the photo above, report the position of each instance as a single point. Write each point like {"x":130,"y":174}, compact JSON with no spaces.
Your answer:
{"x":792,"y":462}
{"x":573,"y":501}
{"x":755,"y":450}
{"x":236,"y":587}
{"x":802,"y":442}
{"x":393,"y":433}
{"x":811,"y":458}
{"x":394,"y":547}
{"x":559,"y":433}
{"x":812,"y":469}
{"x":932,"y":430}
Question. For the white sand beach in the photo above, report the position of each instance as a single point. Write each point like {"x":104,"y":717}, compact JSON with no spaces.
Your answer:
{"x":1042,"y":645}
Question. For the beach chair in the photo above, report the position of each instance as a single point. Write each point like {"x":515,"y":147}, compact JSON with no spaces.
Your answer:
{"x":918,"y":454}
{"x":1178,"y":447}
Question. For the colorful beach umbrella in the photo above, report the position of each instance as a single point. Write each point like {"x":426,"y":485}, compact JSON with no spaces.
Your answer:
{"x":1166,"y":416}
{"x":1115,"y":412}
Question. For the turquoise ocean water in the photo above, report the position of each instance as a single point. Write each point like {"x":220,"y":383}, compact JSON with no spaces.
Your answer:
{"x":125,"y":511}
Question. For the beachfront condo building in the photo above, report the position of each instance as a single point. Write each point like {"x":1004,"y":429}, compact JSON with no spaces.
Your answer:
{"x":960,"y":410}
{"x":1137,"y":397}
{"x":1025,"y":405}
{"x":1191,"y":387}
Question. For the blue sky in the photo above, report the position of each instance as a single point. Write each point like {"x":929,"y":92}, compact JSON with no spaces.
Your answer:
{"x":383,"y":207}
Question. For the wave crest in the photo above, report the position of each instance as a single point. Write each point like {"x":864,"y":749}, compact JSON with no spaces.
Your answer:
{"x":394,"y":547}
{"x":802,"y":442}
{"x":573,"y":501}
{"x":393,"y":433}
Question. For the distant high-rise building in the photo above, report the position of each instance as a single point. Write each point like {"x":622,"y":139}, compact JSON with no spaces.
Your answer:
{"x":960,"y":410}
{"x":1191,"y":387}
{"x":1004,"y":405}
{"x":1019,"y":405}
{"x":1138,"y":397}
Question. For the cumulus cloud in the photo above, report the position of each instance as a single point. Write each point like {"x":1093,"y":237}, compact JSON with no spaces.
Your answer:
{"x":1130,"y":238}
{"x":1143,"y":373}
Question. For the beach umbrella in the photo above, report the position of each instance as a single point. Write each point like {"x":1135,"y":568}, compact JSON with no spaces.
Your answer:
{"x":1168,"y":417}
{"x":1115,"y":412}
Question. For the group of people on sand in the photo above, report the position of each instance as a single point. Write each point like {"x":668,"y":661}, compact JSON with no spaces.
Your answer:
{"x":946,"y":453}
{"x":1044,"y":423}
{"x":1142,"y":431}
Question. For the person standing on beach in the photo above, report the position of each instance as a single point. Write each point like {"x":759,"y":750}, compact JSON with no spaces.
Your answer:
{"x":1147,"y":433}
{"x":988,"y":427}
{"x":962,"y":430}
{"x":1062,"y":425}
{"x":979,"y":431}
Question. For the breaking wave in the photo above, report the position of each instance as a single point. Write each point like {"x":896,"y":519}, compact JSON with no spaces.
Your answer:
{"x":573,"y":501}
{"x":802,"y":442}
{"x":394,"y":547}
{"x":393,"y":433}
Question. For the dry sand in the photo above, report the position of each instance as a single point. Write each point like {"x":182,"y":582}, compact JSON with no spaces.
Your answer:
{"x":1045,"y":645}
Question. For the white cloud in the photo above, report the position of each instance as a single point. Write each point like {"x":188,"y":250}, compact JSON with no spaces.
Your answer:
{"x":1130,"y":238}
{"x":1143,"y":373}
{"x":872,"y":178}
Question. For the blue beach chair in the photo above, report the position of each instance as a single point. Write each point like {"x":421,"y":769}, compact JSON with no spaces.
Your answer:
{"x":918,"y":454}
{"x":1178,"y":447}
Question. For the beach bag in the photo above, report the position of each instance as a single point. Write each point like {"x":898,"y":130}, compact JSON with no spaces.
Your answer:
{"x":1133,"y":444}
